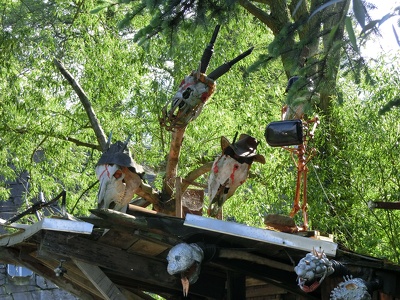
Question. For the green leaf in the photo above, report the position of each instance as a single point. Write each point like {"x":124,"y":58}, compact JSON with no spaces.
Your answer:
{"x":350,"y":32}
{"x":369,"y":26}
{"x":359,"y":12}
{"x":98,"y":9}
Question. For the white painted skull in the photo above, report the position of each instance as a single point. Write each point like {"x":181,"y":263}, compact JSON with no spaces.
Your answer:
{"x":117,"y":186}
{"x":188,"y":101}
{"x":230,"y":170}
{"x":226,"y":175}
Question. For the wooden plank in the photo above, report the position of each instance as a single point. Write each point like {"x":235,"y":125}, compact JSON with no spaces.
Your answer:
{"x":264,"y":290}
{"x":167,"y":226}
{"x":138,"y":295}
{"x":28,"y":261}
{"x":178,"y":197}
{"x":384,"y":205}
{"x":282,"y":239}
{"x":236,"y":286}
{"x":105,"y":286}
{"x":242,"y":255}
{"x":120,"y":239}
{"x":108,"y":256}
{"x":279,"y":278}
{"x":153,"y":272}
{"x":73,"y":274}
{"x":135,"y":210}
{"x":147,"y":248}
{"x":49,"y":224}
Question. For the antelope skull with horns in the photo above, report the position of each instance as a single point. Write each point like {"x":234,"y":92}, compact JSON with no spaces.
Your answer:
{"x":195,"y":89}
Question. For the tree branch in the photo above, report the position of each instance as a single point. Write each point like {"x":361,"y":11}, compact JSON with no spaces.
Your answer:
{"x":193,"y":175}
{"x":259,"y":14}
{"x":101,"y":137}
{"x":173,"y":159}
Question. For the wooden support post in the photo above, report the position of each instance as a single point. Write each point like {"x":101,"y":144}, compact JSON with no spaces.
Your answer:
{"x":100,"y":280}
{"x":383,"y":205}
{"x":178,"y":197}
{"x":236,"y":286}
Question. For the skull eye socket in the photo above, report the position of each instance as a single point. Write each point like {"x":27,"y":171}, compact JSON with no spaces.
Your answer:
{"x":117,"y":174}
{"x":186,"y":93}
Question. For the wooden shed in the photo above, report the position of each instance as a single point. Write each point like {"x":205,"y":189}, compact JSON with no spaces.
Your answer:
{"x":114,"y":255}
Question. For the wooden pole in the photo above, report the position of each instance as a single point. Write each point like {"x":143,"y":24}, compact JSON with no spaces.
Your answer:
{"x":178,"y":197}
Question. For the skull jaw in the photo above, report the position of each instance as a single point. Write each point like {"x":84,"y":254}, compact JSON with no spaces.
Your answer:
{"x":117,"y":187}
{"x":113,"y":205}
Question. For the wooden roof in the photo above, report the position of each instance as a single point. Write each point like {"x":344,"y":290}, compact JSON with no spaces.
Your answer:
{"x":113,"y":255}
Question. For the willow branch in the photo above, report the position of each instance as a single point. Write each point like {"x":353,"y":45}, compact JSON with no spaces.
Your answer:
{"x":258,"y":13}
{"x":101,"y":137}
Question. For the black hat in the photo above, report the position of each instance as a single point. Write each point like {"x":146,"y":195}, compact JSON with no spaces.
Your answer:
{"x":119,"y":154}
{"x":246,"y":146}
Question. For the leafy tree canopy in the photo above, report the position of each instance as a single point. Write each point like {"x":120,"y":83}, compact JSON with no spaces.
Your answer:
{"x":129,"y":58}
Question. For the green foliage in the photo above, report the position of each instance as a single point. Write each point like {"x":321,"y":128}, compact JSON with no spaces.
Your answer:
{"x":360,"y":165}
{"x":45,"y":131}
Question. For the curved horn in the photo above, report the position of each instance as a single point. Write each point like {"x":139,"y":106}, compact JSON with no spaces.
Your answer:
{"x":208,"y":52}
{"x":222,"y":69}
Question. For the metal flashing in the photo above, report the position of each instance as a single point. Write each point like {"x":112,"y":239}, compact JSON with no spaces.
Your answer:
{"x":53,"y":224}
{"x":261,"y":235}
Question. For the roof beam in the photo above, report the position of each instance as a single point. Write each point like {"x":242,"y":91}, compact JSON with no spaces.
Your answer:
{"x":100,"y":280}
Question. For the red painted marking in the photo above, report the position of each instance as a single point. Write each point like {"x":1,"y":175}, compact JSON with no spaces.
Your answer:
{"x":186,"y":85}
{"x":215,"y":168}
{"x":118,"y":174}
{"x":232,"y":176}
{"x":311,"y":288}
{"x":104,"y":171}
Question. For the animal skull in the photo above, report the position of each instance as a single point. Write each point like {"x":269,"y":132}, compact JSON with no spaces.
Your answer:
{"x":314,"y":267}
{"x":226,"y":175}
{"x":351,"y":289}
{"x":185,"y":259}
{"x":188,"y":101}
{"x":117,"y":186}
{"x":230,"y":170}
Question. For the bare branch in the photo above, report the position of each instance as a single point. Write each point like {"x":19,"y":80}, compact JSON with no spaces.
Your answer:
{"x":259,"y":14}
{"x":173,"y":158}
{"x":101,"y":137}
{"x":192,"y":176}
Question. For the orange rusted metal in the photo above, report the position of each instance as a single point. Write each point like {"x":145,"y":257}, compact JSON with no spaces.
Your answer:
{"x":304,"y":155}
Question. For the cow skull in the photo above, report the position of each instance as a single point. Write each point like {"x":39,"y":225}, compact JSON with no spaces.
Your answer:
{"x":230,"y":170}
{"x":117,"y":186}
{"x":225,"y":177}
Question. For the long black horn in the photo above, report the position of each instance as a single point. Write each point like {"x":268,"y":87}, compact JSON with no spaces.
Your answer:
{"x":221,"y":70}
{"x":208,"y":52}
